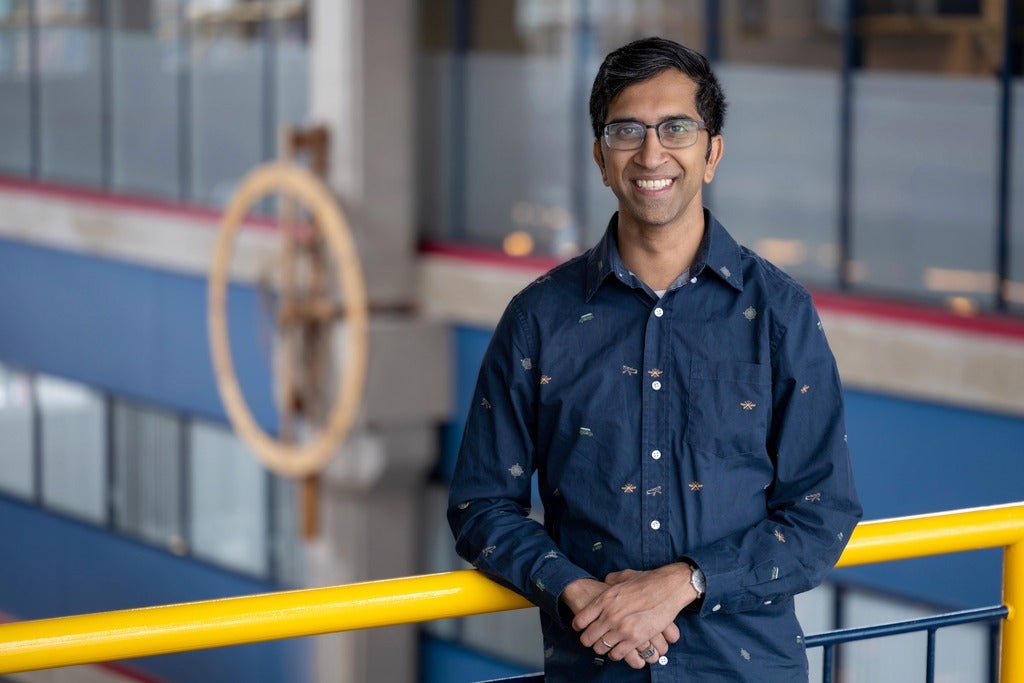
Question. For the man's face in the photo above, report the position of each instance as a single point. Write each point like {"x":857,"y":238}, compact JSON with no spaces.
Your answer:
{"x":656,"y":186}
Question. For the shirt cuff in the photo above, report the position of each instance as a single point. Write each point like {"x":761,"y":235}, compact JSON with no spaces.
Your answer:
{"x":550,"y":580}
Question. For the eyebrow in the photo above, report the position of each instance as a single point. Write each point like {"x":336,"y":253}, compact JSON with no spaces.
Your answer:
{"x":670,"y":117}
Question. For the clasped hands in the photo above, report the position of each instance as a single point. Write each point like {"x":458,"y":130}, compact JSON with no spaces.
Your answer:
{"x":631,"y":612}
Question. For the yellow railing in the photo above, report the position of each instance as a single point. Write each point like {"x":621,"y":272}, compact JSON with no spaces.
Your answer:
{"x":109,"y":636}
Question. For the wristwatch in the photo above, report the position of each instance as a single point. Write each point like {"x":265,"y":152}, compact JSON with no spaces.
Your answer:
{"x":697,"y":581}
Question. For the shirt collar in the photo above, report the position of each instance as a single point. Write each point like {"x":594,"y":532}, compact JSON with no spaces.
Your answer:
{"x":718,"y":253}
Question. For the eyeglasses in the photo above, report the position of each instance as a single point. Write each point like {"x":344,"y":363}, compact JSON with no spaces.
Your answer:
{"x":673,"y":133}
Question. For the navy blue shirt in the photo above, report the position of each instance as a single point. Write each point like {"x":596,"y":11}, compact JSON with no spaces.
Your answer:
{"x":706,"y":424}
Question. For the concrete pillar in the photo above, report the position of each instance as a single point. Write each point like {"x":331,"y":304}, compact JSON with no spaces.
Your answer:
{"x":362,"y":87}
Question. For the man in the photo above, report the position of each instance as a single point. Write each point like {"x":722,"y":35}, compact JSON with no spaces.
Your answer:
{"x":677,"y":398}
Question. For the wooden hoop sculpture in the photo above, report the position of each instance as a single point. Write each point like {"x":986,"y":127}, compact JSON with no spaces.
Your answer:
{"x":295,"y":183}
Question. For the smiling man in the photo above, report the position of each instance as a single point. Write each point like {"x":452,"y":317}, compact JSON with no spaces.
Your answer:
{"x":678,"y":401}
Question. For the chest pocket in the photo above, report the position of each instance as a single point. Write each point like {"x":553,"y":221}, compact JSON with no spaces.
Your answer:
{"x":730,"y":406}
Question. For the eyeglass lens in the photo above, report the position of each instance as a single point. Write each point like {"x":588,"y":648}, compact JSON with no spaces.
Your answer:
{"x":674,"y":133}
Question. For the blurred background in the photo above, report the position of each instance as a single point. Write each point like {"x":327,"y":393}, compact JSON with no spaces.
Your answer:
{"x":872,"y":148}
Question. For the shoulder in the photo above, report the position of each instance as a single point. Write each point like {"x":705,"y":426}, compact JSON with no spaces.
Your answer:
{"x":562,"y":284}
{"x":778,"y":290}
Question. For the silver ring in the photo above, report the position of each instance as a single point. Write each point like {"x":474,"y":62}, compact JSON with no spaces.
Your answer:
{"x":606,"y":644}
{"x":648,"y":653}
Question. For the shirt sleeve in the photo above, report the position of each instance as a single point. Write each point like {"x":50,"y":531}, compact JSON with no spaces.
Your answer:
{"x":812,"y":505}
{"x":490,"y":495}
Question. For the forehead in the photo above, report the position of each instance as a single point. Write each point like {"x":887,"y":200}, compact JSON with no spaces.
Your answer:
{"x":668,"y":93}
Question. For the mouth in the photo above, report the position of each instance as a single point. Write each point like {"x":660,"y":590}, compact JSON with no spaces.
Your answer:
{"x":653,"y":185}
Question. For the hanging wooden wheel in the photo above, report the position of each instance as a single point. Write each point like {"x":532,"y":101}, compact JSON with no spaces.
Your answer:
{"x":299,"y":459}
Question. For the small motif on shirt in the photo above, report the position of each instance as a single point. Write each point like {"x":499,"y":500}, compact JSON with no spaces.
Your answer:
{"x":654,"y":492}
{"x":597,"y":546}
{"x":744,"y":654}
{"x":551,"y":554}
{"x":813,"y":497}
{"x":463,"y":506}
{"x":799,"y":639}
{"x":585,"y":431}
{"x":540,"y":585}
{"x":556,"y":493}
{"x":527,"y":363}
{"x":544,"y":379}
{"x":626,"y":370}
{"x":516,"y":470}
{"x":750,"y":313}
{"x":725,"y":271}
{"x":485,"y":403}
{"x":781,"y":536}
{"x":748,"y":405}
{"x":488,"y":550}
{"x":840,"y":535}
{"x":598,"y":661}
{"x":542,"y":278}
{"x":845,"y":439}
{"x":696,"y":486}
{"x":655,"y":372}
{"x":549,"y":653}
{"x":805,"y":388}
{"x":775,"y":573}
{"x":629,"y":488}
{"x":820,"y":326}
{"x":586,"y":317}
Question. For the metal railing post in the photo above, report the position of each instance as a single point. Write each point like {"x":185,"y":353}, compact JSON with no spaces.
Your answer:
{"x":1011,"y":654}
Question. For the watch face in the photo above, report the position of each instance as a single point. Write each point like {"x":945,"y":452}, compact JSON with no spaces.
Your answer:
{"x":697,"y":581}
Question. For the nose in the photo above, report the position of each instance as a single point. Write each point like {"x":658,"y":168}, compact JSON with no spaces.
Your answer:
{"x":651,"y":152}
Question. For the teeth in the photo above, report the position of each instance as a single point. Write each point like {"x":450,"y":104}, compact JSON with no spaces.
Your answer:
{"x":653,"y":184}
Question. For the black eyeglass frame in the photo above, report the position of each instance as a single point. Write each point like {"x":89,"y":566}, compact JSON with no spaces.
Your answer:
{"x":608,"y":127}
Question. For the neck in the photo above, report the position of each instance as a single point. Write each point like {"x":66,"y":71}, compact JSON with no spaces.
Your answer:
{"x":659,"y":254}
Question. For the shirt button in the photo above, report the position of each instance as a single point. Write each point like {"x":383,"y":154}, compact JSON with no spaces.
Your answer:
{"x":716,"y":608}
{"x":656,"y":385}
{"x":658,"y":312}
{"x":655,"y":525}
{"x":663,"y":660}
{"x":656,"y":454}
{"x":693,"y":280}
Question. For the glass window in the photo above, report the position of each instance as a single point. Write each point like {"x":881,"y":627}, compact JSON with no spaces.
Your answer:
{"x":777,"y":187}
{"x":16,"y":466}
{"x":925,"y":151}
{"x":74,"y":449}
{"x":227,"y":104}
{"x":505,"y":136}
{"x":148,"y":474}
{"x":15,"y":69}
{"x":227,"y":500}
{"x":146,"y":66}
{"x":71,"y":91}
{"x":291,"y":62}
{"x":1015,"y":288}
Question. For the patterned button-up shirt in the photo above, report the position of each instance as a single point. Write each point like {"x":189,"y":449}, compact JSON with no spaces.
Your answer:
{"x":705,"y":424}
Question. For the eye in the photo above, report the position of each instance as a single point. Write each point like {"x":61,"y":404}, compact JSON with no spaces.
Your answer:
{"x":627,"y":131}
{"x":677,"y":127}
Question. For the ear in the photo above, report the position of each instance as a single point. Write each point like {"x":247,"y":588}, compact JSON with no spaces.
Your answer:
{"x":599,"y":160}
{"x":717,"y":149}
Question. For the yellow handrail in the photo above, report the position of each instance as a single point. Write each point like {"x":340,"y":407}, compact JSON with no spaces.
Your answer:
{"x":106,"y":636}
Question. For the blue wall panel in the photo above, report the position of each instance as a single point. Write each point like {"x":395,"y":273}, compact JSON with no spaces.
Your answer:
{"x":134,"y":331}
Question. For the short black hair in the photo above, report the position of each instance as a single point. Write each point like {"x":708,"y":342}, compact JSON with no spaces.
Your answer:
{"x":646,"y":58}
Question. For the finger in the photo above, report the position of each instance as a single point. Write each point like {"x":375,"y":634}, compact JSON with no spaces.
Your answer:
{"x":585,"y":618}
{"x":620,"y":576}
{"x":604,"y":645}
{"x":635,"y":660}
{"x":660,"y":644}
{"x":671,"y":633}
